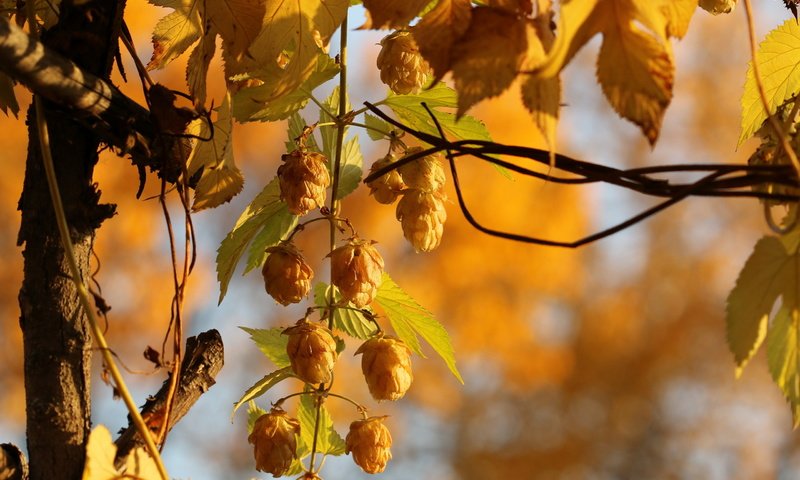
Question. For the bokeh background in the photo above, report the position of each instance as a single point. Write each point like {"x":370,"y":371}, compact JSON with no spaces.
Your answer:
{"x":607,"y":362}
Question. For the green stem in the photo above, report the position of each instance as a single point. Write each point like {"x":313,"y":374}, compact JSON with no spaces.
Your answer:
{"x":321,"y":105}
{"x":361,"y":408}
{"x":364,"y":109}
{"x":83,"y":294}
{"x":368,"y":127}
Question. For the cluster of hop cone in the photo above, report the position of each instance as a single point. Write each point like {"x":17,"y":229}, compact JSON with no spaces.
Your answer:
{"x":356,"y":271}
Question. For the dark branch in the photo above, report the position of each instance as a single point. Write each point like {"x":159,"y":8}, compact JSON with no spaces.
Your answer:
{"x":116,"y":119}
{"x":13,"y":465}
{"x":720,"y":180}
{"x":203,"y":359}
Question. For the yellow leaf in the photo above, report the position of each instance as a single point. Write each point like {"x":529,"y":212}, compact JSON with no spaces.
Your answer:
{"x":439,"y":30}
{"x":176,"y":32}
{"x":678,"y":14}
{"x":779,"y":66}
{"x":541,"y":96}
{"x":238,"y":22}
{"x":141,"y":466}
{"x":636,"y":73}
{"x":221,"y":179}
{"x":307,"y":26}
{"x":197,"y":66}
{"x":100,"y":453}
{"x":391,"y":13}
{"x":635,"y":66}
{"x":524,"y":7}
{"x":488,"y":58}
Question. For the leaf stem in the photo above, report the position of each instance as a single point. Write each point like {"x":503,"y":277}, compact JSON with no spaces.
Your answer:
{"x":368,"y":127}
{"x":321,"y":105}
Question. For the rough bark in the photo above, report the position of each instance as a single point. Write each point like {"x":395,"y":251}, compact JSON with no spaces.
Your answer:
{"x":202,"y":361}
{"x":57,"y":343}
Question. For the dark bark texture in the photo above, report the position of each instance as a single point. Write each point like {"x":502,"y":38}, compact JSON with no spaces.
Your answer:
{"x":57,"y":341}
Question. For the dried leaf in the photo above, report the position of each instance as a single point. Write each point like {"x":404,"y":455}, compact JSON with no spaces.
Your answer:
{"x":439,"y":30}
{"x":391,"y":13}
{"x":489,"y":57}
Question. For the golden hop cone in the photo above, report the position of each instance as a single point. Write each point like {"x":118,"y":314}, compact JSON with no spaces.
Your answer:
{"x":287,"y":276}
{"x":422,"y":216}
{"x":303,"y":179}
{"x":369,"y":441}
{"x":356,"y":270}
{"x":402,"y":67}
{"x":386,"y":188}
{"x":312,"y":351}
{"x":386,"y":365}
{"x":274,"y":442}
{"x":425,"y":173}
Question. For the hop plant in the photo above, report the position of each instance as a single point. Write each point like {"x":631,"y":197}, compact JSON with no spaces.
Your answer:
{"x":312,"y":351}
{"x":386,"y":365}
{"x":422,"y":216}
{"x":424,"y":173}
{"x":287,"y":276}
{"x":369,"y":441}
{"x":402,"y":67}
{"x":356,"y":270}
{"x":387,"y":187}
{"x":303,"y":179}
{"x":274,"y":441}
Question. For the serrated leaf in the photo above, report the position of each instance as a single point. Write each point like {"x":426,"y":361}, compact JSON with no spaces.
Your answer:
{"x":409,"y":109}
{"x":328,"y":132}
{"x":376,"y":127}
{"x":329,"y":441}
{"x":750,"y":302}
{"x":251,"y":104}
{"x":263,"y":386}
{"x":439,"y":30}
{"x":272,"y":344}
{"x":176,"y":32}
{"x":351,"y":322}
{"x":779,"y":66}
{"x":350,"y":169}
{"x":221,"y":179}
{"x":266,"y":215}
{"x":488,"y":57}
{"x":409,"y":319}
{"x":197,"y":66}
{"x":307,"y":25}
{"x":783,"y":359}
{"x":254,"y":412}
{"x":296,"y":126}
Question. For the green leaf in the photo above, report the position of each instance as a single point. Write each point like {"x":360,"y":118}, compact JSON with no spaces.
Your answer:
{"x":328,"y":132}
{"x":263,"y":386}
{"x":266,"y":218}
{"x":329,"y":441}
{"x":251,"y":104}
{"x":783,"y":359}
{"x":254,"y":412}
{"x":350,"y":169}
{"x":409,"y":319}
{"x":296,"y":126}
{"x":281,"y":224}
{"x":377,"y":126}
{"x":351,"y":322}
{"x":750,"y":302}
{"x":271,"y":343}
{"x":779,"y":67}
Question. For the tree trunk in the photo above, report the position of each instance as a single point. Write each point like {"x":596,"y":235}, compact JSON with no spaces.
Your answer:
{"x":56,"y":337}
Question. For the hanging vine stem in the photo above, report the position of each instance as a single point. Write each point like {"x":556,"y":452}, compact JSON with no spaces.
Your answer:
{"x":77,"y":279}
{"x":722,"y":180}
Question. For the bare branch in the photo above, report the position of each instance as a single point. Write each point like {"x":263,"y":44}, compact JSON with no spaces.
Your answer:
{"x":203,"y":360}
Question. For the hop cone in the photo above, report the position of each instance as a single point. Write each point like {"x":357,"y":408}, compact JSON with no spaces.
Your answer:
{"x":422,"y":216}
{"x":312,"y":351}
{"x":274,"y":442}
{"x":369,"y":441}
{"x":386,"y":365}
{"x":356,"y":270}
{"x":402,"y":67}
{"x":303,"y":179}
{"x":287,"y":276}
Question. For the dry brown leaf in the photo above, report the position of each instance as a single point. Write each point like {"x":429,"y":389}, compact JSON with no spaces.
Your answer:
{"x":439,"y":30}
{"x":488,"y":58}
{"x":523,"y":7}
{"x":391,"y":13}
